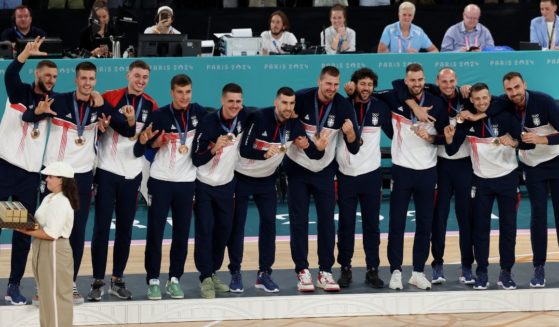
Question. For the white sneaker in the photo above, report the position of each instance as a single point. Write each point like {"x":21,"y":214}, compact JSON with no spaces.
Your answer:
{"x":326,"y":282}
{"x":396,"y":280}
{"x":305,"y":281}
{"x":419,"y":280}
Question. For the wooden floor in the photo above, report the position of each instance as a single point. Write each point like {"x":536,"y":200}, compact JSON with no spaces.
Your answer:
{"x":283,"y":261}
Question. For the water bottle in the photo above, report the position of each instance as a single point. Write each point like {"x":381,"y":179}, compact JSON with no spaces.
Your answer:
{"x":303,"y":44}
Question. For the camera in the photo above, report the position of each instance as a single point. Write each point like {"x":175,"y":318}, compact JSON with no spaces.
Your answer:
{"x":292,"y":49}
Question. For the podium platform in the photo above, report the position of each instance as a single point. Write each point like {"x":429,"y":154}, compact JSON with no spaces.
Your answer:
{"x":357,"y":300}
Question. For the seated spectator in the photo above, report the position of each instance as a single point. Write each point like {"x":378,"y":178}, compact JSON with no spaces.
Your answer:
{"x":22,"y":29}
{"x":278,"y":34}
{"x":543,"y":29}
{"x":403,"y":36}
{"x":163,"y":22}
{"x":469,"y":34}
{"x":9,"y":4}
{"x":338,"y":37}
{"x":94,"y":37}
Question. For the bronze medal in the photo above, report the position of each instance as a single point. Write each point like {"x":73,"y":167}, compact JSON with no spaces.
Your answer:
{"x":231,"y":137}
{"x":80,"y":140}
{"x":283,"y":148}
{"x":134,"y":138}
{"x":361,"y":141}
{"x":414,"y":128}
{"x":183,"y":149}
{"x":35,"y":133}
{"x":495,"y":141}
{"x":459,"y":119}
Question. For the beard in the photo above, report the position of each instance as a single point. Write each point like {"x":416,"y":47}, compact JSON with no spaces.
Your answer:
{"x":42,"y":87}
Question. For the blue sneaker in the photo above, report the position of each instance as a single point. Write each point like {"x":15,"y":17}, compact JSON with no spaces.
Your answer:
{"x":264,"y":281}
{"x":539,"y":277}
{"x":13,"y":296}
{"x":505,"y":280}
{"x":467,"y":276}
{"x":236,"y":284}
{"x":482,"y":282}
{"x":438,"y":275}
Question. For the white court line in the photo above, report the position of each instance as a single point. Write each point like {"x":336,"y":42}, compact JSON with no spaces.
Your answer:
{"x":497,"y":258}
{"x":213,"y":323}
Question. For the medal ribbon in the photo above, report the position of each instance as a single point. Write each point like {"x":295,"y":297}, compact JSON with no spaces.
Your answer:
{"x":182,"y":133}
{"x":80,"y":116}
{"x":320,"y":119}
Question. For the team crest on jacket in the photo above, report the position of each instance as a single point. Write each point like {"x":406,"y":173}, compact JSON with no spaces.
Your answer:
{"x":144,"y":114}
{"x":93,"y":117}
{"x":330,"y":121}
{"x":194,"y":121}
{"x":375,"y":119}
{"x":239,"y":127}
{"x":536,"y":119}
{"x":473,"y":192}
{"x":495,"y":130}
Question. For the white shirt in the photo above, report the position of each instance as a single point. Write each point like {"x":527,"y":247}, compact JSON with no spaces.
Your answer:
{"x":55,"y":215}
{"x":152,"y":30}
{"x":274,"y":45}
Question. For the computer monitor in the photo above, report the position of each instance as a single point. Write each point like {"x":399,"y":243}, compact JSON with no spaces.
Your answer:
{"x":51,"y":45}
{"x":528,"y":46}
{"x":161,"y":45}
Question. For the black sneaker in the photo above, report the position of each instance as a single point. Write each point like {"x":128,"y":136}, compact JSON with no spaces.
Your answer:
{"x":118,"y":289}
{"x":345,"y":278}
{"x":96,"y":292}
{"x":372,"y":279}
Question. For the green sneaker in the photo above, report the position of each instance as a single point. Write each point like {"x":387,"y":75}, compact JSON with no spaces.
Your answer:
{"x":207,"y":290}
{"x":219,"y":286}
{"x":154,"y":292}
{"x":173,"y":288}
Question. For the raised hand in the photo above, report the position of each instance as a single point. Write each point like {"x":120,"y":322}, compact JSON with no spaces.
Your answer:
{"x":449,"y":132}
{"x":103,"y":123}
{"x":147,"y":134}
{"x":302,"y":142}
{"x":43,"y":107}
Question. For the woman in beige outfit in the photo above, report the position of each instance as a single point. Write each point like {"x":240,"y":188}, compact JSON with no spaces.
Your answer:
{"x":53,"y":265}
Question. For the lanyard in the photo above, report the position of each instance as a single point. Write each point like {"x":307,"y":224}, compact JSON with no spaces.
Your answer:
{"x":19,"y":34}
{"x":489,"y":128}
{"x":421,"y":101}
{"x":230,"y":129}
{"x":523,"y":112}
{"x":182,"y":133}
{"x":80,"y":117}
{"x":400,"y":39}
{"x":139,"y":108}
{"x":34,"y":103}
{"x":551,"y":34}
{"x":282,"y":129}
{"x":278,"y":49}
{"x":467,"y":40}
{"x":457,"y":108}
{"x":363,"y":116}
{"x":321,"y":119}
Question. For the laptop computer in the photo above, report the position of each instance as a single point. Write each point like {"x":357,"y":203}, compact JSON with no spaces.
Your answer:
{"x":192,"y":48}
{"x":529,"y":46}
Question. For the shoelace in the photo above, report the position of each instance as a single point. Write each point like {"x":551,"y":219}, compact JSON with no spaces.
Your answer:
{"x":236,"y":277}
{"x":305,"y":277}
{"x":327,"y":277}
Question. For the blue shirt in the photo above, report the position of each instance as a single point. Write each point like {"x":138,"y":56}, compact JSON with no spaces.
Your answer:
{"x":392,"y":37}
{"x":457,"y":37}
{"x":539,"y":33}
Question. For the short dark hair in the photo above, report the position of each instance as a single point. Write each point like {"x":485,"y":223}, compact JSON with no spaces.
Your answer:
{"x":46,"y":63}
{"x":553,"y":2}
{"x":180,"y":80}
{"x":510,"y":75}
{"x":86,"y":65}
{"x":231,"y":88}
{"x":339,"y":7}
{"x":330,"y":70}
{"x":478,"y":87}
{"x":285,"y":90}
{"x":364,"y":73}
{"x":22,"y":7}
{"x":415,"y":67}
{"x":284,"y":19}
{"x":138,"y":64}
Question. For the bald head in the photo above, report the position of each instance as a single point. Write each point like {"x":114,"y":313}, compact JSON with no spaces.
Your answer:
{"x":471,"y":16}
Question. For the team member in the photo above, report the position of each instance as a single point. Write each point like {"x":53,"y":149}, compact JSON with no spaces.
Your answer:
{"x":171,"y":183}
{"x":414,"y":172}
{"x":359,"y":179}
{"x":492,"y":142}
{"x":72,"y":139}
{"x":117,"y":180}
{"x":215,"y":152}
{"x":52,"y":254}
{"x":325,"y":114}
{"x":454,"y":177}
{"x":21,"y":150}
{"x":539,"y":157}
{"x":270,"y":132}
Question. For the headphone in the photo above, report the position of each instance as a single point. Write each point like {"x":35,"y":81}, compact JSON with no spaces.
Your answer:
{"x":94,"y":19}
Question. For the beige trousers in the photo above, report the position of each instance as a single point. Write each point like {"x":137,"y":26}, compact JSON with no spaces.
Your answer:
{"x":53,"y":267}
